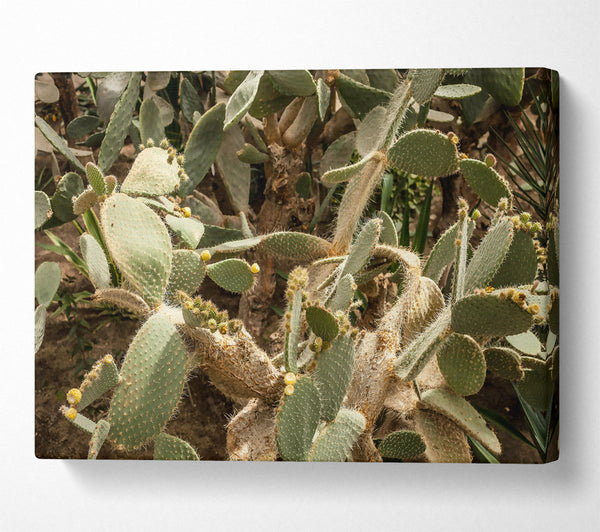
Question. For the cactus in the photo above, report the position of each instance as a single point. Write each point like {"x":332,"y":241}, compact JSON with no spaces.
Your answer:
{"x":167,"y":447}
{"x":327,"y":393}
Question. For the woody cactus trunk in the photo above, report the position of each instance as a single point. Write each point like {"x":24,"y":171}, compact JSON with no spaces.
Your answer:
{"x":335,"y":392}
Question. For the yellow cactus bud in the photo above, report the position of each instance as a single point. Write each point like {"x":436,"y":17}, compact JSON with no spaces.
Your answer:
{"x":71,"y":413}
{"x":453,"y":138}
{"x":186,"y":212}
{"x":489,"y":289}
{"x":255,"y":268}
{"x":108,"y":359}
{"x":290,"y":378}
{"x":289,"y":389}
{"x":476,"y":214}
{"x":205,"y":255}
{"x":73,"y":396}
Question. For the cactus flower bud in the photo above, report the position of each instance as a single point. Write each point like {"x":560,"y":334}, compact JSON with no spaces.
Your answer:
{"x":255,"y":268}
{"x":490,"y":160}
{"x":186,"y":212}
{"x":289,"y":389}
{"x":205,"y":255}
{"x":290,"y":379}
{"x":73,"y":396}
{"x":71,"y":413}
{"x":108,"y":359}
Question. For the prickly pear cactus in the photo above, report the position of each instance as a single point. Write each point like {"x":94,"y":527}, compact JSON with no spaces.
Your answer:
{"x":325,"y":394}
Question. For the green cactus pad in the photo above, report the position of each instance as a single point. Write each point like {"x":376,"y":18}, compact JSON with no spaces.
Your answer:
{"x":388,"y":233}
{"x":69,"y":186}
{"x":424,"y":83}
{"x":520,"y":264}
{"x":323,"y":98}
{"x":415,"y":356}
{"x":295,"y":246}
{"x":536,"y":385}
{"x":462,"y":364}
{"x":504,"y":362}
{"x":554,"y":315}
{"x":303,"y":185}
{"x":119,"y":122}
{"x":424,"y":152}
{"x":385,"y":79}
{"x":460,"y":259}
{"x":343,"y":295}
{"x":84,"y":423}
{"x":504,"y":84}
{"x":43,"y":209}
{"x":215,"y":236}
{"x":402,"y":445}
{"x":362,"y":248}
{"x":85,"y":201}
{"x":187,"y":271}
{"x":256,"y":136}
{"x":202,"y":146}
{"x":95,"y":260}
{"x":290,"y":353}
{"x":190,"y":101}
{"x":95,"y":178}
{"x":167,"y":447}
{"x":189,"y":230}
{"x":338,"y":153}
{"x":443,"y":252}
{"x":340,"y":175}
{"x":553,"y":256}
{"x":488,"y":184}
{"x":488,"y":256}
{"x":250,"y":155}
{"x":235,"y":247}
{"x":82,"y":125}
{"x":152,"y":174}
{"x":333,"y":374}
{"x":445,"y":441}
{"x":103,"y":377}
{"x":98,"y":438}
{"x":370,"y":135}
{"x":335,"y":442}
{"x":242,"y":98}
{"x":293,"y":82}
{"x":39,"y":326}
{"x":268,"y":99}
{"x":489,"y":315}
{"x":297,"y":421}
{"x":463,"y":414}
{"x":235,"y":173}
{"x":123,"y":299}
{"x":58,"y":143}
{"x":139,"y":244}
{"x":47,"y":280}
{"x":233,"y":275}
{"x":359,"y":98}
{"x":151,"y":383}
{"x":527,"y":343}
{"x":457,"y":92}
{"x":150,"y":124}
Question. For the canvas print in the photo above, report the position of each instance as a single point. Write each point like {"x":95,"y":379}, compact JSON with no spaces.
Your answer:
{"x":298,"y":265}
